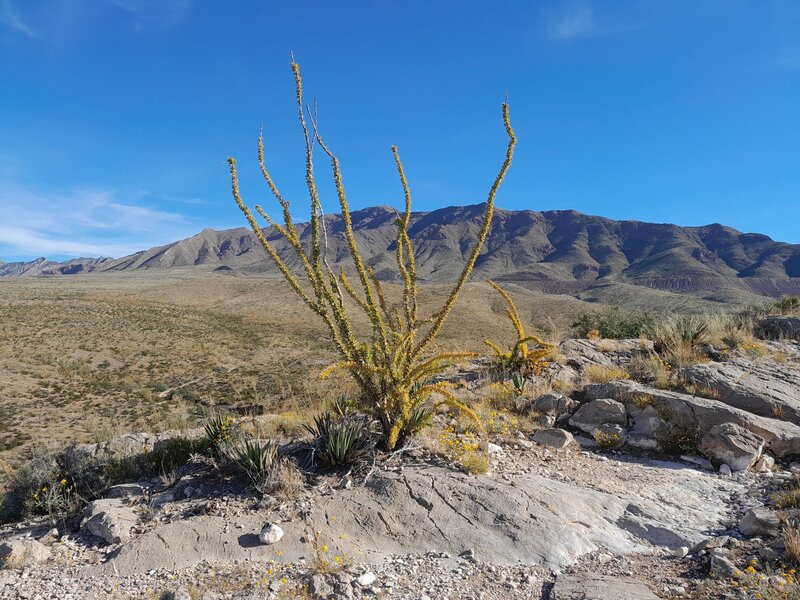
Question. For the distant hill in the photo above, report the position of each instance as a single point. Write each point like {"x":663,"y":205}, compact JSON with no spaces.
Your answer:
{"x":554,"y":251}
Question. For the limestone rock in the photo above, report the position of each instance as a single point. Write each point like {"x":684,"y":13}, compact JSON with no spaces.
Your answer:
{"x":764,"y":464}
{"x":687,"y":412}
{"x":110,"y":520}
{"x":555,"y":405}
{"x":732,"y":444}
{"x":759,"y":521}
{"x":23,"y":552}
{"x":555,"y":438}
{"x":598,"y":412}
{"x":764,"y":388}
{"x":779,"y":328}
{"x":593,"y":586}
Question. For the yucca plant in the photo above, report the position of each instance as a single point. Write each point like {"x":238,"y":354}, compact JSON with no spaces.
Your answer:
{"x":520,"y":359}
{"x":222,"y":432}
{"x":388,"y":362}
{"x":339,"y":440}
{"x":256,"y":458}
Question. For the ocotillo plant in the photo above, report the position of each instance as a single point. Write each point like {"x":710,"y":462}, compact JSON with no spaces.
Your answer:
{"x":520,"y":359}
{"x":390,"y":366}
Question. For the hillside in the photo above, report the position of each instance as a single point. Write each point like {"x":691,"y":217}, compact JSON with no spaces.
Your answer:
{"x":552,"y":251}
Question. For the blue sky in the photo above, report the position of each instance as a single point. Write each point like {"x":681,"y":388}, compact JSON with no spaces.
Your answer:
{"x":116,"y":116}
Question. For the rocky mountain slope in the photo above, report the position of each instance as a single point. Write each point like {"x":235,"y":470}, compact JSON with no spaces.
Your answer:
{"x":554,"y":251}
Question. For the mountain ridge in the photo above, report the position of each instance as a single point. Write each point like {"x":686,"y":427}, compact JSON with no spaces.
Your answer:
{"x":544,"y":249}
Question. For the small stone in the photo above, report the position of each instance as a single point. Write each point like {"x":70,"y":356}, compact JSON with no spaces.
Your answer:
{"x":270,"y":534}
{"x":724,"y":470}
{"x":680,"y":552}
{"x":493,"y":448}
{"x":367,"y":579}
{"x":764,"y":464}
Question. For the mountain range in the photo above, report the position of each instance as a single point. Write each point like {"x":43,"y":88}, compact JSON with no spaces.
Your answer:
{"x":558,"y":251}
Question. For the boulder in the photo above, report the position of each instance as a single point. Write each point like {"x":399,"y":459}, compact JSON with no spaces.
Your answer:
{"x":593,"y":586}
{"x":732,"y":444}
{"x":555,"y":438}
{"x":779,"y":328}
{"x":110,"y":520}
{"x":759,"y":521}
{"x":694,"y":413}
{"x":23,"y":552}
{"x":762,"y":387}
{"x":555,"y":405}
{"x":598,"y":412}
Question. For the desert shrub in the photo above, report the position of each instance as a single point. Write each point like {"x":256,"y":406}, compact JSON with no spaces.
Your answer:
{"x":340,"y":440}
{"x":649,"y":368}
{"x":520,"y":359}
{"x":286,"y":480}
{"x":40,"y":487}
{"x":222,"y":433}
{"x":788,"y":498}
{"x":58,"y":482}
{"x":676,"y":339}
{"x":256,"y":458}
{"x":465,"y":450}
{"x":388,"y":362}
{"x":600,"y":374}
{"x":607,"y":439}
{"x":613,"y":324}
{"x":787,"y":305}
{"x":680,"y":440}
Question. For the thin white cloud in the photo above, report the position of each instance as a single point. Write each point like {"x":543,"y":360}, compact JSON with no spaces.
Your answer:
{"x":86,"y":223}
{"x":10,"y":18}
{"x":568,"y":20}
{"x":159,"y":13}
{"x":571,"y":20}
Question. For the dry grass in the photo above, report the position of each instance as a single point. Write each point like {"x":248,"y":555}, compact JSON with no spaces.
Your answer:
{"x":600,"y":374}
{"x":791,"y":539}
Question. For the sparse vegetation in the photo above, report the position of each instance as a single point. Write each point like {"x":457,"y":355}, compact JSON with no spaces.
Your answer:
{"x":612,"y":324}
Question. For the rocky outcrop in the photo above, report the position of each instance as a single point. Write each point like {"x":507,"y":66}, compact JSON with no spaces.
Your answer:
{"x":528,"y":520}
{"x":733,"y":445}
{"x":686,"y":414}
{"x":766,"y":388}
{"x":779,"y":328}
{"x":602,"y":411}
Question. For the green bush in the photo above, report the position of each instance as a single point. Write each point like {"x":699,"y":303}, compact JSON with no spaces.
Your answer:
{"x":614,"y":324}
{"x":341,"y":440}
{"x":256,"y":458}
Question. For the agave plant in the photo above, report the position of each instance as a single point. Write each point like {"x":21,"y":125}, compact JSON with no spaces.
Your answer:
{"x":256,"y":458}
{"x":520,"y":359}
{"x":388,"y":362}
{"x":339,"y":440}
